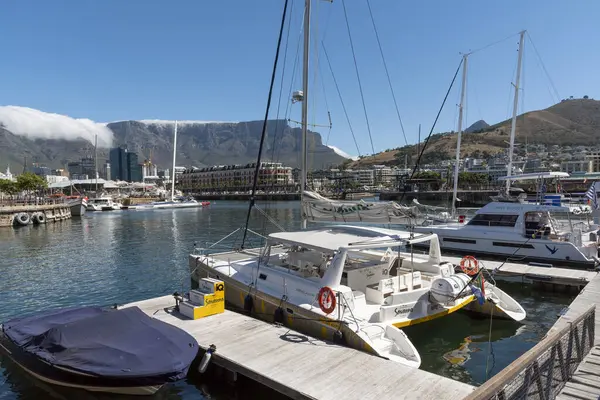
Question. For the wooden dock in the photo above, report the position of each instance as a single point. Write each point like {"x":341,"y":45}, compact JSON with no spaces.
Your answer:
{"x":549,"y":278}
{"x":299,"y":366}
{"x":585,"y":383}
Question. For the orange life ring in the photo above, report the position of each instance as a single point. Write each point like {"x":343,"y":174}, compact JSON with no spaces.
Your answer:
{"x":469,"y":265}
{"x":326,"y":299}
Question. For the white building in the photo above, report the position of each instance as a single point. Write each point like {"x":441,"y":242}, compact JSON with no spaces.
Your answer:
{"x":576,"y":166}
{"x":7,"y":175}
{"x":56,"y":178}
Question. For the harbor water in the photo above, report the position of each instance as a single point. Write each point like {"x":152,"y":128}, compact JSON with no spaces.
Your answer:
{"x":122,"y":256}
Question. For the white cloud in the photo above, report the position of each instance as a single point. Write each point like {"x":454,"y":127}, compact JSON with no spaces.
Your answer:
{"x":36,"y":124}
{"x":342,"y":153}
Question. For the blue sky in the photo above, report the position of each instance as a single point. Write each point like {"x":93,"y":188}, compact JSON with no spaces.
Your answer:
{"x":211,"y":60}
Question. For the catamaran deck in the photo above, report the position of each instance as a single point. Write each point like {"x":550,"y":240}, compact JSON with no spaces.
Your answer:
{"x":299,"y":366}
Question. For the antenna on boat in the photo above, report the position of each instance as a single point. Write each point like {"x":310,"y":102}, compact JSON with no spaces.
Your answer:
{"x":460,"y":120}
{"x":174,"y":152}
{"x":513,"y":126}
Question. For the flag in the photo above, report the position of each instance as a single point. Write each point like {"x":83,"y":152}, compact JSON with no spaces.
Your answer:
{"x":478,"y":295}
{"x":591,"y":194}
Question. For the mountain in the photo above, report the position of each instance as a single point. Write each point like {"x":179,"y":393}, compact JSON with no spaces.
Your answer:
{"x":198,"y":144}
{"x":477,"y":126}
{"x":571,"y":122}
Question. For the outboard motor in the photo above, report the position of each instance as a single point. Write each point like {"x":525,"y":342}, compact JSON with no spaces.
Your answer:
{"x":446,"y":289}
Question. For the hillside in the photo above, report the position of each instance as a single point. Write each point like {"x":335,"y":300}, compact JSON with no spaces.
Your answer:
{"x":568,"y":123}
{"x":198,"y":144}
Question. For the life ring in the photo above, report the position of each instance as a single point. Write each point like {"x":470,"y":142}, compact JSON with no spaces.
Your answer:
{"x":469,"y":265}
{"x":38,"y":218}
{"x":23,"y":218}
{"x":326,"y":299}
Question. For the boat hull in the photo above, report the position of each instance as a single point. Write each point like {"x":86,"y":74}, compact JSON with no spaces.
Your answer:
{"x":265,"y":306}
{"x":533,"y":250}
{"x":65,"y":377}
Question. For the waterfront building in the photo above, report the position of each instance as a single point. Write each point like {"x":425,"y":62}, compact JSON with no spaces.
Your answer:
{"x":272,"y":176}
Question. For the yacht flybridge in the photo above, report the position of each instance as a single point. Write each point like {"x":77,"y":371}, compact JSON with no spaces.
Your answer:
{"x":525,"y":231}
{"x":357,"y":285}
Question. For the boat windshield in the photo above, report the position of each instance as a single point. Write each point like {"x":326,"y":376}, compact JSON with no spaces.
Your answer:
{"x":505,"y":220}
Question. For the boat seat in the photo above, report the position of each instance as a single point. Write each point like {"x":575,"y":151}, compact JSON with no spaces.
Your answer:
{"x":376,"y":292}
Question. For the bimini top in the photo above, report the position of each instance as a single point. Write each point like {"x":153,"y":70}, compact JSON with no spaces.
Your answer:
{"x":535,"y":175}
{"x":332,"y":238}
{"x":125,"y":344}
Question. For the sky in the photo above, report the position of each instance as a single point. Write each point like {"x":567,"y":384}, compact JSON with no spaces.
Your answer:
{"x":117,"y":60}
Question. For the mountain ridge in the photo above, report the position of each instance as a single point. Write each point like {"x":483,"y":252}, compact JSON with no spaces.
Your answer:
{"x":570,"y":122}
{"x":199,"y":143}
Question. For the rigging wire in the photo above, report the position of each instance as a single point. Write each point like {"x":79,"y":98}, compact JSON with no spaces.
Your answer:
{"x":285,"y":53}
{"x":358,"y":77}
{"x":341,"y":99}
{"x":543,"y":66}
{"x":387,"y":72}
{"x":264,"y":129}
{"x":433,"y":126}
{"x":493,"y":43}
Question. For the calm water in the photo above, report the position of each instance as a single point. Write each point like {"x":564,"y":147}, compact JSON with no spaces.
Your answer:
{"x":123,"y":256}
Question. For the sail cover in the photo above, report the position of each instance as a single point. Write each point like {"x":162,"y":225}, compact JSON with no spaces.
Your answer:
{"x":122,"y":343}
{"x":317,"y":208}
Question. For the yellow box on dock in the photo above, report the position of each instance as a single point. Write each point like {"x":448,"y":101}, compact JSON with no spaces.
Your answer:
{"x":208,"y":299}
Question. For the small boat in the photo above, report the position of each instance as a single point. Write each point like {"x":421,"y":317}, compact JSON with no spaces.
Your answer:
{"x":78,"y":205}
{"x":104,"y":203}
{"x":101,"y":350}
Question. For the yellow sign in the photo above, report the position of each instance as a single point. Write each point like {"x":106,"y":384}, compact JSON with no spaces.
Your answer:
{"x":208,"y":300}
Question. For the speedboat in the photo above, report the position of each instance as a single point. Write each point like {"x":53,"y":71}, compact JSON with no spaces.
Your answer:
{"x":177,"y":203}
{"x":101,"y":350}
{"x":338,"y":283}
{"x":525,"y":231}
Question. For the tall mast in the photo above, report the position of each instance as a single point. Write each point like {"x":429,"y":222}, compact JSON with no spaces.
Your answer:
{"x":174,"y":152}
{"x":513,"y":126}
{"x":460,"y":120}
{"x":96,"y":161}
{"x":304,"y":165}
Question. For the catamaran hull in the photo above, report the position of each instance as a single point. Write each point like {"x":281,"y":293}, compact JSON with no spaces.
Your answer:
{"x":498,"y":305}
{"x":264,"y":307}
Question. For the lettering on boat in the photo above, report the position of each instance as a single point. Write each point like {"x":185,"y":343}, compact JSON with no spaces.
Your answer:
{"x":403,"y":310}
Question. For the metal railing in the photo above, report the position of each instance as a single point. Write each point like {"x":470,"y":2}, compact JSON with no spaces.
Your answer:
{"x":543,"y":371}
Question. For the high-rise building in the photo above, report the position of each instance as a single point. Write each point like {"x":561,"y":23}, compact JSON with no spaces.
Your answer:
{"x":118,"y":164}
{"x":88,"y":167}
{"x":106,"y":171}
{"x":134,"y":169}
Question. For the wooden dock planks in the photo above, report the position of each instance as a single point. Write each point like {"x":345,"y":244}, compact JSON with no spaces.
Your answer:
{"x":302,"y":367}
{"x":585,"y":383}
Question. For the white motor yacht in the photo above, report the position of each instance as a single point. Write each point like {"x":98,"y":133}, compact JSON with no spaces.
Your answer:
{"x":525,"y":231}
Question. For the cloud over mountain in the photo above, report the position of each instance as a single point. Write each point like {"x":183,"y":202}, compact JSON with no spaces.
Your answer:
{"x":36,"y":124}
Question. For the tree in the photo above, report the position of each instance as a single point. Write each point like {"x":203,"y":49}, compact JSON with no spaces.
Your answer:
{"x":8,"y":187}
{"x":586,"y":97}
{"x":29,"y":182}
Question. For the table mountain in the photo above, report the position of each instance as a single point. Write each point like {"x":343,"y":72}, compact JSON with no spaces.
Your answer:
{"x":198,"y":144}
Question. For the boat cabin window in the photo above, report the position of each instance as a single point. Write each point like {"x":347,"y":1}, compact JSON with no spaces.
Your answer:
{"x":494,"y":220}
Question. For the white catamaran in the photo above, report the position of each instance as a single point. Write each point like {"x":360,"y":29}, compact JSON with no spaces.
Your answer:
{"x":350,"y":284}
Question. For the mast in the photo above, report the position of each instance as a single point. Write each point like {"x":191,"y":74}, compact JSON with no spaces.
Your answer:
{"x":96,"y":162}
{"x":460,"y":120}
{"x":173,"y":172}
{"x":419,"y":146}
{"x":513,"y":126}
{"x":305,"y":60}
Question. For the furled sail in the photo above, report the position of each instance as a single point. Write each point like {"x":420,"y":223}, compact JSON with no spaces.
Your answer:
{"x":317,"y":208}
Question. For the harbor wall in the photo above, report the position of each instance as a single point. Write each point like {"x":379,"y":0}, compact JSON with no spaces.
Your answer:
{"x":50,"y":212}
